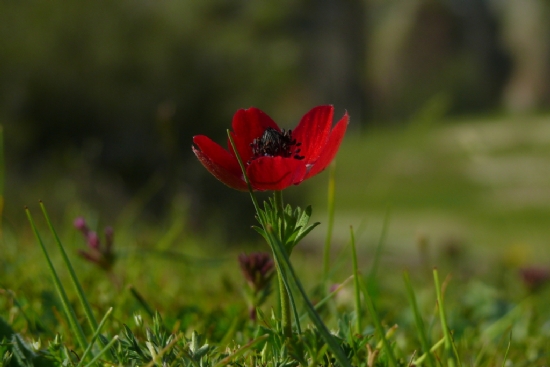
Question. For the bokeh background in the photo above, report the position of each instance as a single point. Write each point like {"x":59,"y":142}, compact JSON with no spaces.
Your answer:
{"x":99,"y":102}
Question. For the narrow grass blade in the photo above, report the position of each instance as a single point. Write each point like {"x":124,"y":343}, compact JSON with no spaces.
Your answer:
{"x":435,"y":347}
{"x":449,"y":345}
{"x":284,"y":284}
{"x":507,"y":350}
{"x":230,"y":333}
{"x":285,"y":295}
{"x":330,"y":221}
{"x":418,"y":320}
{"x":358,"y":313}
{"x":95,"y":336}
{"x":79,"y":291}
{"x":290,"y":278}
{"x":331,"y":295}
{"x":241,"y":350}
{"x":102,"y":352}
{"x":141,"y":301}
{"x":378,"y":325}
{"x":69,"y":311}
{"x":381,"y":242}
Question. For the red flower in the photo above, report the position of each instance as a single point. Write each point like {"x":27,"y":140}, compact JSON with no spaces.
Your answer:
{"x":274,"y":158}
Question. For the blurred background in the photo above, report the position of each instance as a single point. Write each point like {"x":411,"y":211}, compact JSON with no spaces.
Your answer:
{"x":99,"y":102}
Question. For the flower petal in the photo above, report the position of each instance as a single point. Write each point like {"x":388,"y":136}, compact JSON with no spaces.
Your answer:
{"x":313,"y":131}
{"x":275,"y":173}
{"x":331,"y":148}
{"x":248,"y":125}
{"x":219,"y":162}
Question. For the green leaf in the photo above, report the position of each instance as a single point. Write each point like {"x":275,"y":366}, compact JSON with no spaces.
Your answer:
{"x":67,"y":307}
{"x":22,"y":352}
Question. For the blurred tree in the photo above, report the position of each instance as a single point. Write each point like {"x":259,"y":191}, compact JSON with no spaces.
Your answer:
{"x":421,"y":49}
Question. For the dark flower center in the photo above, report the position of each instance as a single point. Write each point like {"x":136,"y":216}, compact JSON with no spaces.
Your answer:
{"x":275,"y":143}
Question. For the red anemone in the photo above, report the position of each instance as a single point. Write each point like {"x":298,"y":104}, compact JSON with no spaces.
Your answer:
{"x":274,"y":158}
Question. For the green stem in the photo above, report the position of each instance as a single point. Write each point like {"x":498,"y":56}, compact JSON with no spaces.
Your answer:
{"x":280,"y":207}
{"x":67,"y":307}
{"x":358,"y":328}
{"x":286,"y":316}
{"x":443,"y":318}
{"x":330,"y":224}
{"x":285,"y":308}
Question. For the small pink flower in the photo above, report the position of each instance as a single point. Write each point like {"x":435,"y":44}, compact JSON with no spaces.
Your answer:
{"x":258,"y":269}
{"x":103,"y":256}
{"x":534,"y":277}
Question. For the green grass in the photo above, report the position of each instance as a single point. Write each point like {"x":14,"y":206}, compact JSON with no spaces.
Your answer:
{"x":176,"y":298}
{"x":484,"y":182}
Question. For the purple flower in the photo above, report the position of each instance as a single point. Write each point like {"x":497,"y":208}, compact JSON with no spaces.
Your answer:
{"x":534,"y":277}
{"x":102,"y":256}
{"x":258,"y":269}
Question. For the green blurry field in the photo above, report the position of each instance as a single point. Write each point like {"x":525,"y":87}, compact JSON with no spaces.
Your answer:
{"x":484,"y":183}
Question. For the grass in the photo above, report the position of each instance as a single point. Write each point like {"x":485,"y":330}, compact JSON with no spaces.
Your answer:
{"x":175,"y":298}
{"x":484,"y":183}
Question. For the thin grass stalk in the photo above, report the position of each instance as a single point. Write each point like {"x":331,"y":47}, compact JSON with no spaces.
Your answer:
{"x":286,"y":316}
{"x":134,"y":292}
{"x":357,"y":288}
{"x":67,"y":308}
{"x":378,"y":325}
{"x":449,"y":350}
{"x":79,"y":291}
{"x":330,"y":221}
{"x":418,"y":320}
{"x":381,"y":242}
{"x":435,"y":347}
{"x":507,"y":350}
{"x":331,"y":295}
{"x":102,"y":351}
{"x":95,"y":336}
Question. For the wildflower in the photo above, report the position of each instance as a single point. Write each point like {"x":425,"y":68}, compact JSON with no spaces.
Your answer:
{"x":258,"y":269}
{"x":103,"y":256}
{"x":534,"y":277}
{"x":274,"y":158}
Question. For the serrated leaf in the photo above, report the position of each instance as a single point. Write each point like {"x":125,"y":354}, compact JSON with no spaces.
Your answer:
{"x":195,"y":342}
{"x":260,"y":231}
{"x":304,"y":232}
{"x":202,"y":351}
{"x":22,"y":352}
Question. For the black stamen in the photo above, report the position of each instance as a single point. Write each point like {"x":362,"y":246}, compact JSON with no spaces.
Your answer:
{"x":274,"y":143}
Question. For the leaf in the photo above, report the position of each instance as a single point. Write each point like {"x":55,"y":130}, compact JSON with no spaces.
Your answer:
{"x":22,"y":352}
